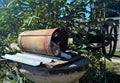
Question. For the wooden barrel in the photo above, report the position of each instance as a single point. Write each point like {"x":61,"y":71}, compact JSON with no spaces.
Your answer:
{"x":47,"y":41}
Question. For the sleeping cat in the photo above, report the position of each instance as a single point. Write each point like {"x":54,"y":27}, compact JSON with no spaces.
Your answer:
{"x":55,"y":48}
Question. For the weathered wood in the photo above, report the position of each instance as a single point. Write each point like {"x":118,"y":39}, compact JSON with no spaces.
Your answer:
{"x":62,"y":62}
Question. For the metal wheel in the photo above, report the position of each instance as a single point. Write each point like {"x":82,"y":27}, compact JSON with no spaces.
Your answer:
{"x":109,"y":38}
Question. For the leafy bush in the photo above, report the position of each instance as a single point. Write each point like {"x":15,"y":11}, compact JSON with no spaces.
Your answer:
{"x":9,"y":73}
{"x":20,"y":15}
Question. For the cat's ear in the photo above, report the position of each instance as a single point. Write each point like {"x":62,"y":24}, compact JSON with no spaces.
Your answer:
{"x":58,"y":43}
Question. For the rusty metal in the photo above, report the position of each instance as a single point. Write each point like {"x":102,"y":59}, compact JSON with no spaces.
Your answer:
{"x":41,"y":41}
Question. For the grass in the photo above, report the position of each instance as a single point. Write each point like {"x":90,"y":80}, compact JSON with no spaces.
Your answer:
{"x":117,"y":53}
{"x":111,"y":75}
{"x":109,"y":66}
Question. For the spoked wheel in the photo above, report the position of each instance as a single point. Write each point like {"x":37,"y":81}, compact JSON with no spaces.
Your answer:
{"x":109,"y":39}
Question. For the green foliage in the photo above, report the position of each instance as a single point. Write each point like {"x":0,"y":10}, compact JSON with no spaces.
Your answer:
{"x":20,"y":15}
{"x":107,"y":8}
{"x":10,"y":74}
{"x":109,"y":66}
{"x":113,"y":9}
{"x":97,"y":67}
{"x":117,"y":53}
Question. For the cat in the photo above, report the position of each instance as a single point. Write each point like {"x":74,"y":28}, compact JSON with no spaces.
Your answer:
{"x":55,"y":48}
